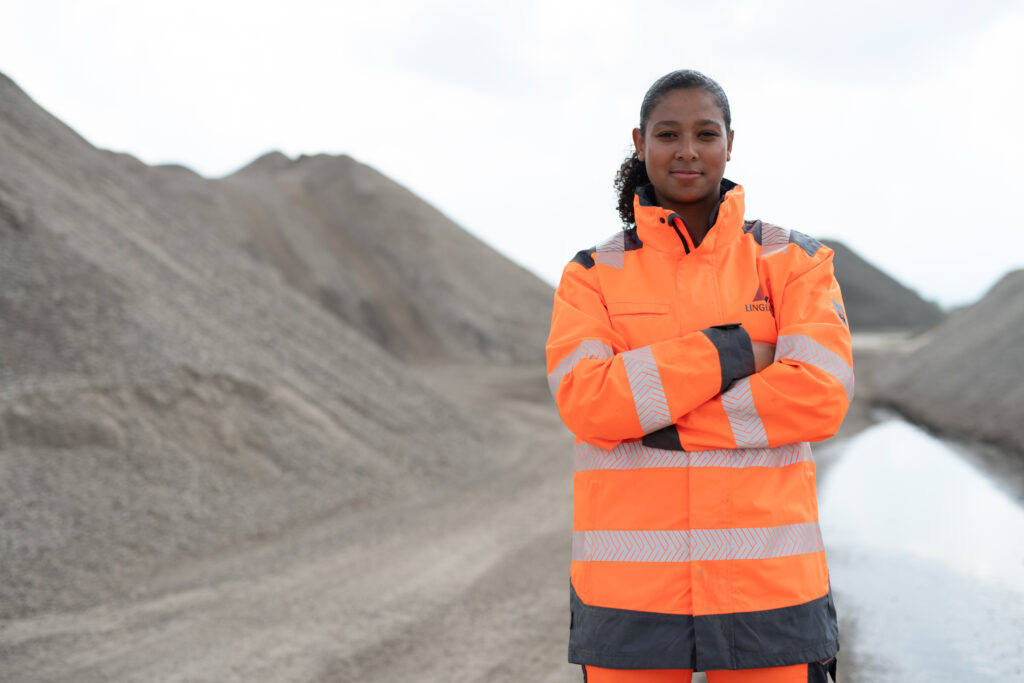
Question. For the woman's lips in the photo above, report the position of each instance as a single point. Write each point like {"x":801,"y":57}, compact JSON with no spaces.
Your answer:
{"x":684,"y":174}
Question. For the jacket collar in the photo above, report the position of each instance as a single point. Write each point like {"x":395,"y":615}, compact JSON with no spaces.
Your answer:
{"x":657,"y":227}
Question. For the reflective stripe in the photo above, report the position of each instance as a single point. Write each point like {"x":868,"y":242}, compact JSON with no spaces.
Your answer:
{"x":687,"y":545}
{"x":773,"y":239}
{"x":633,"y":455}
{"x":612,"y":251}
{"x":747,"y":428}
{"x":840,"y":312}
{"x":648,"y":393}
{"x":589,"y":348}
{"x":800,"y":347}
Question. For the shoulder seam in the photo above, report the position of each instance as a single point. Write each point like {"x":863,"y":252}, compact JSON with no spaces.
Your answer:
{"x":584,"y":257}
{"x":774,"y":239}
{"x":610,"y":252}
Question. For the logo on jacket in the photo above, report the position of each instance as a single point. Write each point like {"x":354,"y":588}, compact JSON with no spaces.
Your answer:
{"x":761,"y":302}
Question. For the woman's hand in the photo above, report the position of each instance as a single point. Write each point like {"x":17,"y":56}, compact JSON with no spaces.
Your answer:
{"x":764,"y":355}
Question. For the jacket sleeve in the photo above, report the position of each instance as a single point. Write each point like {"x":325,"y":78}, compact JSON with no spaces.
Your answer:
{"x":607,"y":393}
{"x":805,"y":393}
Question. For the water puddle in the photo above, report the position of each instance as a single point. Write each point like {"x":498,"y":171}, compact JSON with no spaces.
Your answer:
{"x":926,"y":556}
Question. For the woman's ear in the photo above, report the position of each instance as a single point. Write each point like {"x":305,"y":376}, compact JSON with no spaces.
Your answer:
{"x":638,"y":144}
{"x":728,"y":154}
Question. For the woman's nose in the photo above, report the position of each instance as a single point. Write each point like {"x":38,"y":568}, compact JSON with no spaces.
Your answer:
{"x":687,"y":149}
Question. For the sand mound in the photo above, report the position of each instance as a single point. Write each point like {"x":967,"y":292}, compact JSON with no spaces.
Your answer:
{"x":874,"y":300}
{"x":966,"y":379}
{"x":374,"y":254}
{"x":172,"y":383}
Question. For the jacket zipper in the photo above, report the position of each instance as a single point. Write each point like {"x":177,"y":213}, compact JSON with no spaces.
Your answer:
{"x":686,"y":247}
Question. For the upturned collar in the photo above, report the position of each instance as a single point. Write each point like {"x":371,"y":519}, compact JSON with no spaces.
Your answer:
{"x":665,"y":230}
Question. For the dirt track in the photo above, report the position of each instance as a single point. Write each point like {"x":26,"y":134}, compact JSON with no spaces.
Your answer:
{"x":469,"y":584}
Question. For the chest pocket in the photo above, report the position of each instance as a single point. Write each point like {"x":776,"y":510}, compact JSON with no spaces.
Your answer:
{"x":642,"y":322}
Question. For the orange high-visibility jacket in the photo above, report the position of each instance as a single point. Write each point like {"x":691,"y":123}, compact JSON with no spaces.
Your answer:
{"x":695,"y":521}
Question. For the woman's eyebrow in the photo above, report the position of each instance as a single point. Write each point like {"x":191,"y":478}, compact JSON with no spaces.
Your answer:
{"x":702,"y":122}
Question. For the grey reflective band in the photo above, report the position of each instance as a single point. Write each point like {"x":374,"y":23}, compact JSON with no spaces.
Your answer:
{"x":633,"y":455}
{"x":612,"y":252}
{"x":688,"y":545}
{"x":773,"y":239}
{"x":648,"y":393}
{"x":589,"y":348}
{"x":800,"y":347}
{"x":747,"y":428}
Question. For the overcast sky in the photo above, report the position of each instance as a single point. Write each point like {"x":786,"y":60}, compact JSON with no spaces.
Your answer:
{"x":893,"y":126}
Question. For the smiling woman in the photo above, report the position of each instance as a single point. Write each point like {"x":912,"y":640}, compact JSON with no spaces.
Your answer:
{"x":684,"y":152}
{"x":693,"y":355}
{"x":687,"y":108}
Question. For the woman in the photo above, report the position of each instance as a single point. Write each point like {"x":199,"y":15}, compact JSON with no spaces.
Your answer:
{"x":694,"y":354}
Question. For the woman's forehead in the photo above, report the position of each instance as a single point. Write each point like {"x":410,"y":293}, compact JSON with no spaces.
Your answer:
{"x":690,"y":105}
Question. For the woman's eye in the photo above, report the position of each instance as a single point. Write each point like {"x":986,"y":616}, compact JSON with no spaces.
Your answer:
{"x":666,"y":134}
{"x":708,"y":134}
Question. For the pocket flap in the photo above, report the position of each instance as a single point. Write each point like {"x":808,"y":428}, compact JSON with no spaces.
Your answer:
{"x":637,"y":307}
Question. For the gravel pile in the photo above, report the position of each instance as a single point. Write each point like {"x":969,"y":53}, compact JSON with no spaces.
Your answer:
{"x":874,"y":300}
{"x":966,"y":379}
{"x":187,"y":363}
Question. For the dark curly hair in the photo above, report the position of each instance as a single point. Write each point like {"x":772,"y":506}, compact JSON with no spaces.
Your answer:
{"x":631,"y":173}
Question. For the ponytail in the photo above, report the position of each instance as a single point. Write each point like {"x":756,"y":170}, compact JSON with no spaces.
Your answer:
{"x":631,"y":175}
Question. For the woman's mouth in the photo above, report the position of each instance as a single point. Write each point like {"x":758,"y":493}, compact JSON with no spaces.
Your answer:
{"x":684,"y":174}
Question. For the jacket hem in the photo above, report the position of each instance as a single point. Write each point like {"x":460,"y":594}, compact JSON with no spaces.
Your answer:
{"x":745,"y":660}
{"x":607,"y":660}
{"x":629,"y":639}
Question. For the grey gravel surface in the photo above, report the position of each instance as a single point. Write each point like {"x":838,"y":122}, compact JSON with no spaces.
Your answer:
{"x":228,"y":451}
{"x":466,"y":582}
{"x":166,"y":392}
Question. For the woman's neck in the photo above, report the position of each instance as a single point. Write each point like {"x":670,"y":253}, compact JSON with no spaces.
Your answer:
{"x":697,"y":218}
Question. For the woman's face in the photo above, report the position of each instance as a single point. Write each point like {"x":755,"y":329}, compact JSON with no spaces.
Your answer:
{"x":684,"y":148}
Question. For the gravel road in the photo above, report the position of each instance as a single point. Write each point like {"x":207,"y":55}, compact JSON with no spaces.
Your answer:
{"x":468,"y":583}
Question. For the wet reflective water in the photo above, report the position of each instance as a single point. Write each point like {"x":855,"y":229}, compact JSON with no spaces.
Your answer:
{"x":926,"y":556}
